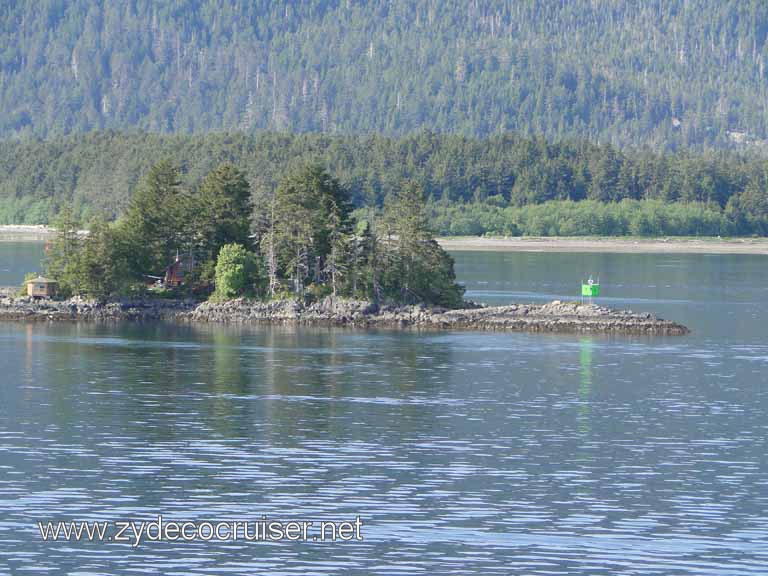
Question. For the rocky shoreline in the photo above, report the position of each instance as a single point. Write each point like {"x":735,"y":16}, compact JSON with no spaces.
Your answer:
{"x":565,"y":317}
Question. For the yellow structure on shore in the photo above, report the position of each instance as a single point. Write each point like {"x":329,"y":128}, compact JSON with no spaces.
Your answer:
{"x":41,"y":287}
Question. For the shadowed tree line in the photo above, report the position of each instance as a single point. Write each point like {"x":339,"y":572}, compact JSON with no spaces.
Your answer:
{"x":469,"y":183}
{"x":299,"y":240}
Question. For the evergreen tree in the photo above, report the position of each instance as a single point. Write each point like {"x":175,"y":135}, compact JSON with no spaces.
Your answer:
{"x":628,"y":73}
{"x":39,"y":177}
{"x":363,"y":274}
{"x":222,"y":210}
{"x":339,"y":245}
{"x":418,"y":270}
{"x":311,"y":220}
{"x":101,"y":265}
{"x":63,"y":252}
{"x":158,"y":220}
{"x":269,"y":252}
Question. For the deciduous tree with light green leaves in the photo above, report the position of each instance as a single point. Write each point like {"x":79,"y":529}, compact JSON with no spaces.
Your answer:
{"x":237,"y":272}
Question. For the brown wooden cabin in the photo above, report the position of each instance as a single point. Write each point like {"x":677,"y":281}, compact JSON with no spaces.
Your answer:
{"x":176,"y":273}
{"x":41,"y":287}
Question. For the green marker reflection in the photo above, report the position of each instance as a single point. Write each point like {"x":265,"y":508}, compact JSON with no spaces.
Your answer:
{"x":585,"y":384}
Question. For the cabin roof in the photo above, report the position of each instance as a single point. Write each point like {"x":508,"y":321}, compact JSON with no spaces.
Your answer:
{"x":41,"y":280}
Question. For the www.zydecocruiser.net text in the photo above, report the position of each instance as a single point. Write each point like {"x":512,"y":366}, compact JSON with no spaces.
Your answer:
{"x":161,"y":530}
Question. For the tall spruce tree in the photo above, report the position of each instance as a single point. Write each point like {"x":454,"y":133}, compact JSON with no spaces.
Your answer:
{"x":158,"y":221}
{"x":101,"y":266}
{"x":417,"y":269}
{"x":63,"y":252}
{"x":311,"y":222}
{"x":222,"y":211}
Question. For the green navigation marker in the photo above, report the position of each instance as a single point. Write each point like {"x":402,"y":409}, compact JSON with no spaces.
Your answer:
{"x":591,"y":289}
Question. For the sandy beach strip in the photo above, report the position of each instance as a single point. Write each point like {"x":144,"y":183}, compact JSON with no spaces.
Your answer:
{"x":25,"y":233}
{"x":670,"y":245}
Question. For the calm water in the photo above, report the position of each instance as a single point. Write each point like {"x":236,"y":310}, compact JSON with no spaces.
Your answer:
{"x":464,"y":453}
{"x":17,"y":259}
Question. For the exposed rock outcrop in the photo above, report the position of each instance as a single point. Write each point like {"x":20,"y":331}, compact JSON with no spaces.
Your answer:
{"x":552,"y":317}
{"x":23,"y":308}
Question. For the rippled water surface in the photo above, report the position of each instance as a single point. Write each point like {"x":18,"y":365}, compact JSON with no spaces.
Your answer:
{"x":464,"y":453}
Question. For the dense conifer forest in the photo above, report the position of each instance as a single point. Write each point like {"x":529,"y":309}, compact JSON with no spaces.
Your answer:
{"x":662,"y":73}
{"x":505,"y":184}
{"x":514,"y":117}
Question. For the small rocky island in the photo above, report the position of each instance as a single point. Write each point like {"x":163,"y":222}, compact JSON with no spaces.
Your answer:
{"x":563,"y":317}
{"x":298,"y":255}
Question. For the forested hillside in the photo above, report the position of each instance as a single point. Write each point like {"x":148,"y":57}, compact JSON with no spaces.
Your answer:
{"x":666,"y":73}
{"x":468,"y":181}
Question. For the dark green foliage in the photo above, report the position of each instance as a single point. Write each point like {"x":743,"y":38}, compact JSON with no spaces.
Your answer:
{"x":666,"y":73}
{"x":749,"y":209}
{"x":220,"y":211}
{"x":39,"y":177}
{"x":218,"y":215}
{"x":434,"y":278}
{"x":363,"y":274}
{"x":311,"y":226}
{"x":310,"y":245}
{"x":102,"y":264}
{"x":94,"y":264}
{"x":592,"y":218}
{"x":163,"y":220}
{"x":63,"y":252}
{"x":158,"y":221}
{"x":414,"y":268}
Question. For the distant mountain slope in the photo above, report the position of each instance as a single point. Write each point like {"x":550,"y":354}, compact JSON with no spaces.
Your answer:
{"x":666,"y":73}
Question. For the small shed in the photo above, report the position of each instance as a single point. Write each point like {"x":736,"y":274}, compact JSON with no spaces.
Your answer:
{"x":41,"y":287}
{"x":176,"y":273}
